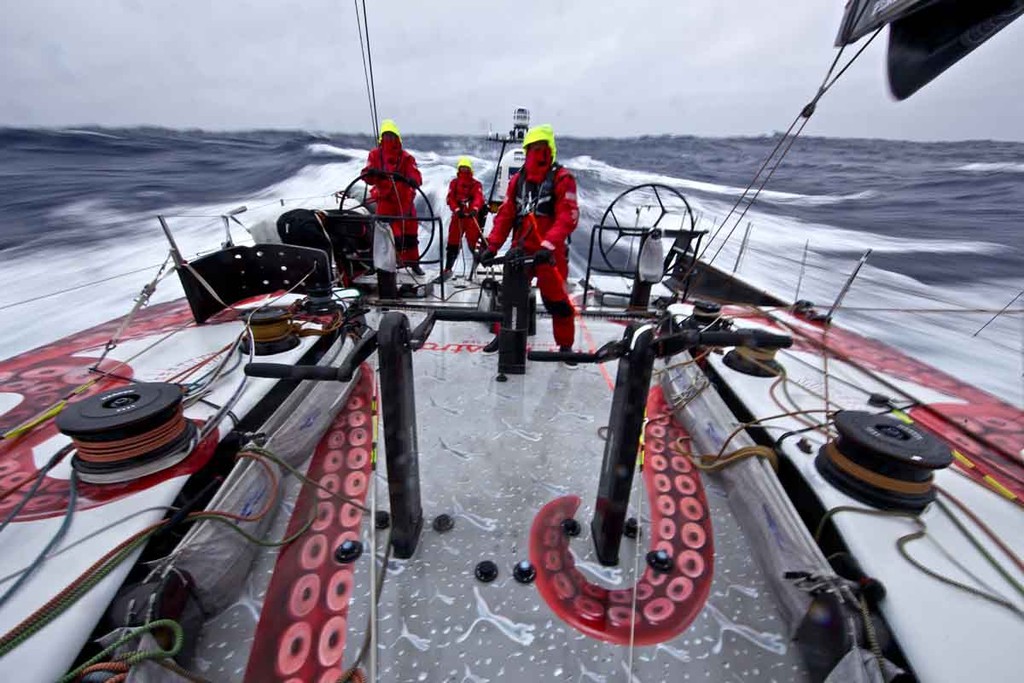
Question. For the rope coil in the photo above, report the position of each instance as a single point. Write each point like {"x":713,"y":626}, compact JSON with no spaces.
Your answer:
{"x":760,"y":355}
{"x":134,"y":446}
{"x":276,"y":330}
{"x":881,"y":481}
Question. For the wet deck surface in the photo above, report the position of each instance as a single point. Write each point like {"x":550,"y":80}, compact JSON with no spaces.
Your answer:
{"x":492,"y":454}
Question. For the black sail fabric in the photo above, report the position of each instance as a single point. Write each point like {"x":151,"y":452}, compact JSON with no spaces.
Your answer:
{"x":926,"y":37}
{"x":864,"y":16}
{"x":926,"y":43}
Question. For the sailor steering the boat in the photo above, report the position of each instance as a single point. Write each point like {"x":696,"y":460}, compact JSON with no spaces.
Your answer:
{"x":540,"y":210}
{"x":395,"y":197}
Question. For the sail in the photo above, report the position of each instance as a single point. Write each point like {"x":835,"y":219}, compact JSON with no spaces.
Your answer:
{"x":864,"y":16}
{"x":925,"y":43}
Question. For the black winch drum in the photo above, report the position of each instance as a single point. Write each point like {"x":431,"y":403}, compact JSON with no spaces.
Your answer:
{"x":127,"y":432}
{"x":271,"y":328}
{"x":883,"y":461}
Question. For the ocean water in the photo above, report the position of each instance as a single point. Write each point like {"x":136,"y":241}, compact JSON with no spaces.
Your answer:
{"x":945,"y":221}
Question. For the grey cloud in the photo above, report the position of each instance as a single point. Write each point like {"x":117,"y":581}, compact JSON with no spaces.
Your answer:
{"x":704,"y":67}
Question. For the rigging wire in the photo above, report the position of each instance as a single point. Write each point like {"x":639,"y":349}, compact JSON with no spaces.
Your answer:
{"x":370,"y":58}
{"x":371,"y":101}
{"x":77,"y":287}
{"x":373,"y":545}
{"x":373,"y":85}
{"x":1004,"y":309}
{"x":805,"y":114}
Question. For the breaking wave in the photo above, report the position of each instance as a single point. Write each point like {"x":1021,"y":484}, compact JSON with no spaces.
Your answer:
{"x":993,"y":167}
{"x":632,"y":177}
{"x":324,"y":149}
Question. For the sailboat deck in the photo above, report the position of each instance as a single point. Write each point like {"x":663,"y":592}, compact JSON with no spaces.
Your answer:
{"x":492,"y":454}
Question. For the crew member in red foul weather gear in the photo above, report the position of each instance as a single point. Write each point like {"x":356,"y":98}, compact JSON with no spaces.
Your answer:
{"x":540,"y":211}
{"x":394,"y":197}
{"x":465,"y":199}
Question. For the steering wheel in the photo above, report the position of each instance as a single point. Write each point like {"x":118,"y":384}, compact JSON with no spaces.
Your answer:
{"x":397,"y":177}
{"x":672,"y":257}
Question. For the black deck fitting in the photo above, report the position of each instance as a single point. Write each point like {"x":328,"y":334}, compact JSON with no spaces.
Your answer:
{"x":879,"y":401}
{"x":632,"y":528}
{"x":348,"y":551}
{"x":524,"y":572}
{"x":660,"y":561}
{"x":486,"y":571}
{"x":570,"y":527}
{"x":444,"y":523}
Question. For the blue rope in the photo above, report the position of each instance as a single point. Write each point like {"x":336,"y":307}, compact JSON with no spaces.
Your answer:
{"x":35,"y":486}
{"x":53,"y":543}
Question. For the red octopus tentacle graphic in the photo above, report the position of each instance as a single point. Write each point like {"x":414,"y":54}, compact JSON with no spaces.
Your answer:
{"x":666,"y":603}
{"x":301,"y":632}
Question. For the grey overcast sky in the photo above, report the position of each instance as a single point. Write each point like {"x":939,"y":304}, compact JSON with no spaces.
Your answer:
{"x":591,"y":67}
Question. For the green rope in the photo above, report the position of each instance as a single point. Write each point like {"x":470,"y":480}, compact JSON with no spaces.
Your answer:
{"x":829,"y":514}
{"x":133,"y":658}
{"x":981,"y":549}
{"x":37,"y":621}
{"x":901,"y":546}
{"x":41,"y":618}
{"x":255,"y":540}
{"x":312,"y":482}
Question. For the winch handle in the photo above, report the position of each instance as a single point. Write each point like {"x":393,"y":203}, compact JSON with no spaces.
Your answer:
{"x":420,"y":333}
{"x":322,"y":373}
{"x":758,"y":339}
{"x":610,"y":351}
{"x":364,"y":348}
{"x":678,"y":342}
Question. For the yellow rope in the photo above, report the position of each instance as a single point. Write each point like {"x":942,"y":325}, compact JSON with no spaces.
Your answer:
{"x":715,"y":463}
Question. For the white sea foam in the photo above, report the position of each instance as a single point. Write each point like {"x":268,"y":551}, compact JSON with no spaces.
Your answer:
{"x":993,"y":167}
{"x":629,"y":177}
{"x":92,"y":133}
{"x":324,"y":149}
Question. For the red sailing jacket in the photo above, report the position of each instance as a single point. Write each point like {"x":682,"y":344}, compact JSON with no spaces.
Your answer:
{"x":470,"y":191}
{"x":394,"y":198}
{"x":554,"y":207}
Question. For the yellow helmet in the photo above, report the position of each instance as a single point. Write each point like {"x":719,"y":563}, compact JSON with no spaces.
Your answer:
{"x":464,"y":161}
{"x":542,"y":133}
{"x":389,"y":126}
